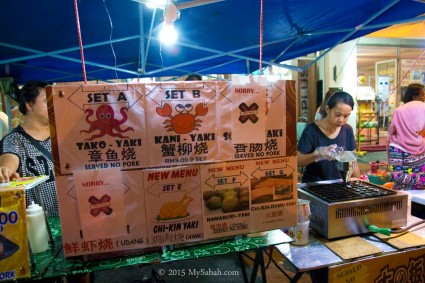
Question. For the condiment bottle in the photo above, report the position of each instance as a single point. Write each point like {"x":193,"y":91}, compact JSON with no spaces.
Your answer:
{"x":37,"y":228}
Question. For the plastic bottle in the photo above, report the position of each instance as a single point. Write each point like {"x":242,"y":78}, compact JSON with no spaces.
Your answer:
{"x":37,"y":228}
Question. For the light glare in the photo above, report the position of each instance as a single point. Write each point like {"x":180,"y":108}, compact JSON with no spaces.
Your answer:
{"x":156,"y":4}
{"x":168,"y":34}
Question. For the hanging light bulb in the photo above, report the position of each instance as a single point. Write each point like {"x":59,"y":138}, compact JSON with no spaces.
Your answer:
{"x":156,"y":4}
{"x":168,"y":34}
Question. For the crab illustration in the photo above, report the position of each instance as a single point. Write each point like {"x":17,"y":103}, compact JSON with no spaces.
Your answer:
{"x":182,"y":123}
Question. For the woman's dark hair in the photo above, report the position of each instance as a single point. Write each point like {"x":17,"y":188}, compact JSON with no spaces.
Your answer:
{"x":193,"y":77}
{"x":29,"y":93}
{"x":338,"y":97}
{"x":412,"y":91}
{"x":322,"y":109}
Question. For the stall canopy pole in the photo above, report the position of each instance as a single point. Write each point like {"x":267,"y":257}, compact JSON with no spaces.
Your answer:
{"x":80,"y":41}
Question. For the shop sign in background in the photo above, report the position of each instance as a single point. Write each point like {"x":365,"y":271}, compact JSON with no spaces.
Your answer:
{"x":181,"y":123}
{"x":97,"y":126}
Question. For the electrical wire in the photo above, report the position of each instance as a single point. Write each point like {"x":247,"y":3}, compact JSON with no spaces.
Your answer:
{"x":160,"y":55}
{"x":405,"y":229}
{"x":110,"y":39}
{"x":346,"y":60}
{"x":80,"y":41}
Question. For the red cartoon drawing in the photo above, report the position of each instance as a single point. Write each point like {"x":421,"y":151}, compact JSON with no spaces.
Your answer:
{"x":182,"y":123}
{"x":106,"y":122}
{"x":100,"y":205}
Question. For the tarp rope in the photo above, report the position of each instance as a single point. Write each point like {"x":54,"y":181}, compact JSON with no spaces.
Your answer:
{"x":80,"y":41}
{"x":261,"y":38}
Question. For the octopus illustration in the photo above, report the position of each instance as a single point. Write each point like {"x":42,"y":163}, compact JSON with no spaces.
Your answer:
{"x":182,"y":123}
{"x":106,"y":123}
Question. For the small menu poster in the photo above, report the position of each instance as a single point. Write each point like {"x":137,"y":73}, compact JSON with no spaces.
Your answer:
{"x":267,"y":113}
{"x":226,"y":199}
{"x":273,"y":193}
{"x":100,"y":203}
{"x":173,"y":205}
{"x":73,"y":238}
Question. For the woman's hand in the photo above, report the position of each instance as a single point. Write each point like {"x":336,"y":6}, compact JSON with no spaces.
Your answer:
{"x":330,"y":152}
{"x":6,"y":174}
{"x":8,"y":166}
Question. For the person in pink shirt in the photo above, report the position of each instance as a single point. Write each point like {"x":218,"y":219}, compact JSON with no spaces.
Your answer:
{"x":406,"y":149}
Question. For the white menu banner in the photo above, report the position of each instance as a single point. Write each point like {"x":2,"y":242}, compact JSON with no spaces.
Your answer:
{"x":100,"y":203}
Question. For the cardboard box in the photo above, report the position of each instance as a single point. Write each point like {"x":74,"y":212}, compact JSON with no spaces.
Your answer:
{"x":14,"y":254}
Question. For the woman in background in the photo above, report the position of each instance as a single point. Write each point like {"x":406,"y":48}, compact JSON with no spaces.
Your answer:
{"x":406,"y":149}
{"x":321,"y":141}
{"x":26,"y":150}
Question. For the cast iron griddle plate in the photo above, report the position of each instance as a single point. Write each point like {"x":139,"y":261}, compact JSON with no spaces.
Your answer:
{"x":352,"y":190}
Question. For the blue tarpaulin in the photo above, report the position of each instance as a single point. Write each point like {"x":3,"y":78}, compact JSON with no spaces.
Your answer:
{"x":39,"y":39}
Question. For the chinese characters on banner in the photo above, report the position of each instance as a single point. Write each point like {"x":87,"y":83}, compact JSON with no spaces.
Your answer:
{"x":190,"y":179}
{"x":74,"y":242}
{"x":173,"y":205}
{"x":98,"y":127}
{"x":181,"y":124}
{"x":275,"y":125}
{"x":225,"y":196}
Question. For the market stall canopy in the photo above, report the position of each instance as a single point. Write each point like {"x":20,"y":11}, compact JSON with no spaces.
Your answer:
{"x":409,"y":30}
{"x":39,"y":40}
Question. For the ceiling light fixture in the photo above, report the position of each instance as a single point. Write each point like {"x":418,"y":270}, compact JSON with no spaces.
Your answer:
{"x":156,"y":4}
{"x":168,"y":34}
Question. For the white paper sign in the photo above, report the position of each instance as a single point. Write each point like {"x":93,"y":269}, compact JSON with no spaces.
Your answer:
{"x":249,"y":113}
{"x":100,"y":203}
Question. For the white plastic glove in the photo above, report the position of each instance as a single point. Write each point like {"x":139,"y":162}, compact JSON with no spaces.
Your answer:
{"x":330,"y":152}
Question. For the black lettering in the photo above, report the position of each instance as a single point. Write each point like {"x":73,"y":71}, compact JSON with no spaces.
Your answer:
{"x":122,"y":96}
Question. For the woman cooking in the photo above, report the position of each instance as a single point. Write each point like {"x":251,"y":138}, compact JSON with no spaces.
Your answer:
{"x":322,"y":141}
